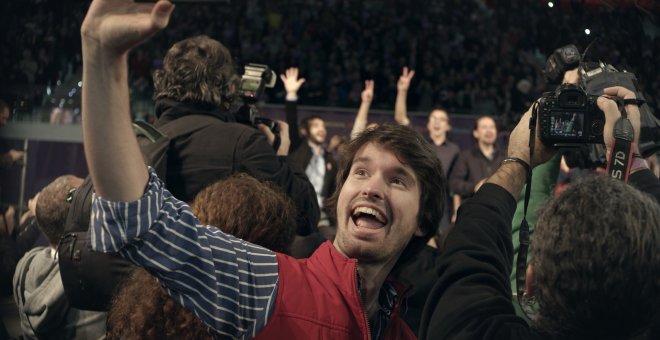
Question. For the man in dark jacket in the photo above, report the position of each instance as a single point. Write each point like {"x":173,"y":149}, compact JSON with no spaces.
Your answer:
{"x":198,"y":78}
{"x":473,"y":166}
{"x":595,"y":257}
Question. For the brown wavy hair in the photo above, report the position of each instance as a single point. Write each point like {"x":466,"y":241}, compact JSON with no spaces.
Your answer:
{"x":197,"y":70}
{"x":239,"y":205}
{"x":143,"y":310}
{"x":257,"y":212}
{"x":596,"y":257}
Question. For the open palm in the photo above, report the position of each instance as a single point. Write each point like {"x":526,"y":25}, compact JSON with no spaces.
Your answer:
{"x":119,"y":25}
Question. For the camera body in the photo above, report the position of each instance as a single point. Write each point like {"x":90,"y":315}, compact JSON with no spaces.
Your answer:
{"x":569,"y":117}
{"x":255,"y":80}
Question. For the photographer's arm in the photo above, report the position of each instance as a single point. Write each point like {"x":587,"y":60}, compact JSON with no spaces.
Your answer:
{"x":361,"y":118}
{"x":641,"y":176}
{"x":474,"y":270}
{"x":400,"y":106}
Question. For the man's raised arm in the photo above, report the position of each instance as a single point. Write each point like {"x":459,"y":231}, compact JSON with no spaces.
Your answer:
{"x":109,"y":31}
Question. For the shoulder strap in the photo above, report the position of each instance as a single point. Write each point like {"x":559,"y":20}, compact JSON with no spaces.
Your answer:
{"x":155,"y":142}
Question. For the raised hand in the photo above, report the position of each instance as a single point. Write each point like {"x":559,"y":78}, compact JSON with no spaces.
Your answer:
{"x":404,"y":80}
{"x":116,"y":26}
{"x":368,"y":93}
{"x":291,"y":82}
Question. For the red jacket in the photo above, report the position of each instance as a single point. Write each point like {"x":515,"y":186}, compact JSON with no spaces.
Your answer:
{"x":318,"y":298}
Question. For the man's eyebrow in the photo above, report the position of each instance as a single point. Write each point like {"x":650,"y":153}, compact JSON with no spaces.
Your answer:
{"x":362,"y":159}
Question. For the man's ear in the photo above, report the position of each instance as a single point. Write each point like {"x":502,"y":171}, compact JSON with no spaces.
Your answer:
{"x":420,"y":232}
{"x":302,"y":132}
{"x":530,"y":281}
{"x":474,"y":134}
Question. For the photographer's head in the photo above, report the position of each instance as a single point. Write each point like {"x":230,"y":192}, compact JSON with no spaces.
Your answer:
{"x":596,"y":261}
{"x":390,"y":189}
{"x":313,"y":129}
{"x":197,"y":70}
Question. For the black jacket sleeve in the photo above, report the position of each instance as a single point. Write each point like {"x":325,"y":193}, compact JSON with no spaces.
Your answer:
{"x":256,"y":157}
{"x":472,"y":297}
{"x":291,"y":108}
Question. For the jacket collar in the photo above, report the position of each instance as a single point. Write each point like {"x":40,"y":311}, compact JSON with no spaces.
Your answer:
{"x":168,"y":110}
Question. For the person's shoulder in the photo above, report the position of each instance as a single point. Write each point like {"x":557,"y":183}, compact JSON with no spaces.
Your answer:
{"x":453,"y":146}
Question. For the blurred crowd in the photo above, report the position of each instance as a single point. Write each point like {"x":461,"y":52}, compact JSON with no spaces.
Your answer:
{"x":474,"y":57}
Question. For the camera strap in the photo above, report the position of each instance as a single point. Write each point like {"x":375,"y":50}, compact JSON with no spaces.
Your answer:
{"x":525,"y":302}
{"x":620,"y":158}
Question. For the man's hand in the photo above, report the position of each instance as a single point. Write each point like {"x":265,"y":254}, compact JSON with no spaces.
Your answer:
{"x":285,"y":141}
{"x":612,"y":114}
{"x":291,"y":83}
{"x":367,"y":94}
{"x":519,"y":142}
{"x":32,"y":209}
{"x":117,"y":26}
{"x":16,"y":155}
{"x":404,"y":80}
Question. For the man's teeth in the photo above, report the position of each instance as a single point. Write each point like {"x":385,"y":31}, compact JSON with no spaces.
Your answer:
{"x":369,"y":211}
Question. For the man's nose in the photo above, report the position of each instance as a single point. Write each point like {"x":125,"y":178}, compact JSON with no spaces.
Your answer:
{"x":374,"y":187}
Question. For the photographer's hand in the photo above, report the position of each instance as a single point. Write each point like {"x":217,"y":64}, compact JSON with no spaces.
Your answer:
{"x":512,"y":176}
{"x":612,"y":114}
{"x":291,"y":83}
{"x":110,"y":29}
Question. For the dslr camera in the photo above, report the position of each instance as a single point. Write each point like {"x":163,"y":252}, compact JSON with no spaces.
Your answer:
{"x":255,"y":80}
{"x":570,"y":117}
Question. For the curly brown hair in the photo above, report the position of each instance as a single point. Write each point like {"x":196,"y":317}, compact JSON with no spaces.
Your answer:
{"x":596,"y":257}
{"x":254,"y":211}
{"x":143,"y":310}
{"x":197,"y":70}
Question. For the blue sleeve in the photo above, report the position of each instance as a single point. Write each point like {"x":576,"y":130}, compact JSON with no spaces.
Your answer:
{"x":228,"y":283}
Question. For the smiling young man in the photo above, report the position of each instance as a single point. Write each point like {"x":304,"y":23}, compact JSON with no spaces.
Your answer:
{"x":389,"y":200}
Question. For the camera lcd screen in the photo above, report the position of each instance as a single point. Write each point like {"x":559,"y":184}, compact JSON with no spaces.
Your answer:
{"x":566,"y":124}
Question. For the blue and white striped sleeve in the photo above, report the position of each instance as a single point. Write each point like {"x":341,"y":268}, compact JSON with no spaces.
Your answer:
{"x":228,"y":283}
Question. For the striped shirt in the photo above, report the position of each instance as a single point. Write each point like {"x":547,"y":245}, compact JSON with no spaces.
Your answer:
{"x":228,"y":283}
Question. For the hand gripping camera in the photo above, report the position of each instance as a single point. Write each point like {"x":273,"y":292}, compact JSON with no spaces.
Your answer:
{"x":570,"y":117}
{"x":254,"y":81}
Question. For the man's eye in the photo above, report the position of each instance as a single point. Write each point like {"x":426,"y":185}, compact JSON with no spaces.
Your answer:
{"x":397,"y":181}
{"x":361,"y":172}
